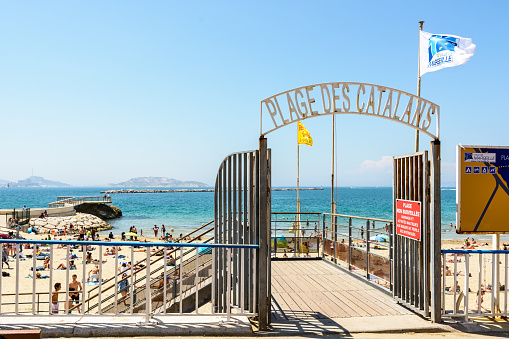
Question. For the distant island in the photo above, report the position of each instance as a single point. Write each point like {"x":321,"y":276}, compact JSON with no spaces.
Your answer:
{"x":184,"y":190}
{"x":34,"y":181}
{"x":158,"y":182}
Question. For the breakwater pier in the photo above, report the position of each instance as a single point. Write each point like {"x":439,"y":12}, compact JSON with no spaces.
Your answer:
{"x":187,"y":190}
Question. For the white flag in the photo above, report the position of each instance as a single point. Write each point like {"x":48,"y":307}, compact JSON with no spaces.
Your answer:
{"x":439,"y":51}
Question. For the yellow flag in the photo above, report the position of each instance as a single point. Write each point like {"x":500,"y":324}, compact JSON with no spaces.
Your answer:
{"x":303,"y":137}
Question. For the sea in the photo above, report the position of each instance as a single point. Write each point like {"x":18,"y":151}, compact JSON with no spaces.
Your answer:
{"x":185,"y":211}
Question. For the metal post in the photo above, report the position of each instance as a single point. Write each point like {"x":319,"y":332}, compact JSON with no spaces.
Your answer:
{"x":264,"y":251}
{"x":349,"y":244}
{"x":436,"y":236}
{"x":418,"y":86}
{"x":496,"y":276}
{"x":367,"y":249}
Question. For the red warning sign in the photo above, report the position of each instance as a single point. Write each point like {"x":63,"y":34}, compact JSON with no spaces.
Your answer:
{"x":408,"y":219}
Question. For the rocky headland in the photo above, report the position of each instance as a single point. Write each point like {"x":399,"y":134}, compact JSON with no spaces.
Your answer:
{"x":88,"y":221}
{"x":102,"y":211}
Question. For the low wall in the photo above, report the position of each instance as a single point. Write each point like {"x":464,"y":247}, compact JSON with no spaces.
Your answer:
{"x":35,"y":212}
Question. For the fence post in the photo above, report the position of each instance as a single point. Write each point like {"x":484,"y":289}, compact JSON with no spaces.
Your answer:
{"x":264,"y":250}
{"x":349,"y":244}
{"x":436,"y":239}
{"x":367,"y":249}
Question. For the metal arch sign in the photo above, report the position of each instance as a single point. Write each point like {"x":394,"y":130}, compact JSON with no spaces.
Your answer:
{"x":349,"y":98}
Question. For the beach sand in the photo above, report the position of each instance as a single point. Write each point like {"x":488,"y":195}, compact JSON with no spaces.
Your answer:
{"x":42,"y":287}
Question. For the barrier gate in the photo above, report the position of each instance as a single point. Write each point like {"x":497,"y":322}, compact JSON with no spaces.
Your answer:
{"x":416,"y":255}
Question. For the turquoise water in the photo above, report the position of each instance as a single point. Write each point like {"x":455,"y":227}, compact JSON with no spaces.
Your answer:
{"x":186,"y":211}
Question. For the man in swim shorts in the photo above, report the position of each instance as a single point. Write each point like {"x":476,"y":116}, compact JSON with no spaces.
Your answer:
{"x":74,"y":288}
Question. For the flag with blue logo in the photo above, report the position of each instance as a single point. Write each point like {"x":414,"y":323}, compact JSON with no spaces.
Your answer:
{"x":439,"y":51}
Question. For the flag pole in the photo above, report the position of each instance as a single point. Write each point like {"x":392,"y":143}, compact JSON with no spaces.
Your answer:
{"x":421,"y":23}
{"x":297,"y":231}
{"x":332,"y":175}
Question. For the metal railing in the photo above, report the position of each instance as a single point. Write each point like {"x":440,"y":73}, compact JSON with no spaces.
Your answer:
{"x":186,"y":278}
{"x":361,"y":245}
{"x":75,"y":201}
{"x":295,"y":234}
{"x":471,"y":283}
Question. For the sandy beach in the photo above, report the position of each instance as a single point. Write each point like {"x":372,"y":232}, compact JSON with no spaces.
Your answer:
{"x":42,"y":286}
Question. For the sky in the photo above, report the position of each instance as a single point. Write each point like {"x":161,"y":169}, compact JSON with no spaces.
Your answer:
{"x":99,"y":92}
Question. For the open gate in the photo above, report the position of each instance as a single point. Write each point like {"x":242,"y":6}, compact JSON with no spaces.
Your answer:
{"x":241,"y":215}
{"x":416,"y":263}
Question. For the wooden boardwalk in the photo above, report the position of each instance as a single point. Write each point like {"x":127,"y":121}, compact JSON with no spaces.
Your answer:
{"x":313,"y":289}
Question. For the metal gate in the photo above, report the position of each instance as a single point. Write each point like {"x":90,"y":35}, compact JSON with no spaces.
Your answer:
{"x":242,"y":210}
{"x":416,"y":264}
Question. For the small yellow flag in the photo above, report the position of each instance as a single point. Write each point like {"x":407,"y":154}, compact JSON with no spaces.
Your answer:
{"x":303,"y":137}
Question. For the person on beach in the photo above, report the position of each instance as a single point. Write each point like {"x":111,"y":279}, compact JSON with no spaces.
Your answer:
{"x":362,"y":232}
{"x":4,"y":258}
{"x":45,"y":264}
{"x":163,"y":229}
{"x":156,"y":229}
{"x":93,"y":274}
{"x":110,"y":236}
{"x":54,"y":298}
{"x":124,"y":267}
{"x":74,"y":289}
{"x":123,"y":287}
{"x":89,"y":258}
{"x":82,"y":234}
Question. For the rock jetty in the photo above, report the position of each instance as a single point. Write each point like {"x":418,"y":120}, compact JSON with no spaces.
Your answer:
{"x":88,"y":221}
{"x":185,"y":190}
{"x":102,"y":211}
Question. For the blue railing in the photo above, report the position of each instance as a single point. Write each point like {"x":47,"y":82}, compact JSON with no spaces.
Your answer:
{"x":188,"y":273}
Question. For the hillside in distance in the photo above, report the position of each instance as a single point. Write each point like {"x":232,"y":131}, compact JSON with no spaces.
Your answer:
{"x":158,"y":182}
{"x":35,"y":181}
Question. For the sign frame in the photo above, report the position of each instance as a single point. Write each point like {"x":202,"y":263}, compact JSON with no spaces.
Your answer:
{"x":411,"y":202}
{"x":476,"y":168}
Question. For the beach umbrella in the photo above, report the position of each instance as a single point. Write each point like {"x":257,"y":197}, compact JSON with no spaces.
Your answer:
{"x":377,"y":238}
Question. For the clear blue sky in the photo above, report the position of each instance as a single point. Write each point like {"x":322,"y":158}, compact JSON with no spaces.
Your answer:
{"x":94,"y":92}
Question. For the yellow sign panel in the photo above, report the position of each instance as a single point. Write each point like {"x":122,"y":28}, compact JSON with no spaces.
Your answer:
{"x":482,"y":190}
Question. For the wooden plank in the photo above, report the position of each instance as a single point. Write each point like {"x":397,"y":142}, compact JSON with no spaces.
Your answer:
{"x":292,"y":310}
{"x":359,"y":311}
{"x":287,"y":311}
{"x":331,"y":309}
{"x":319,"y":284}
{"x":341,"y":306}
{"x":277,"y":313}
{"x":360,"y":303}
{"x":313,"y":305}
{"x":306,"y":309}
{"x":389,"y":302}
{"x":283,"y":281}
{"x":276,"y":286}
{"x":373,"y":304}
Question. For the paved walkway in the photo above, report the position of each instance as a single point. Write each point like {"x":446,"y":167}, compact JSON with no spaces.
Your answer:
{"x":314,"y":296}
{"x":128,"y":326}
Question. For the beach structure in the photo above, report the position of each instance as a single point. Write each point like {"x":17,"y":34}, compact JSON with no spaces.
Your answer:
{"x":250,"y":259}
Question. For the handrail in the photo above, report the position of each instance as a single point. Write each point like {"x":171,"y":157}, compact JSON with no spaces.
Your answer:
{"x":142,"y":278}
{"x":356,"y":217}
{"x":160,"y":244}
{"x":462,"y":251}
{"x":153,"y":254}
